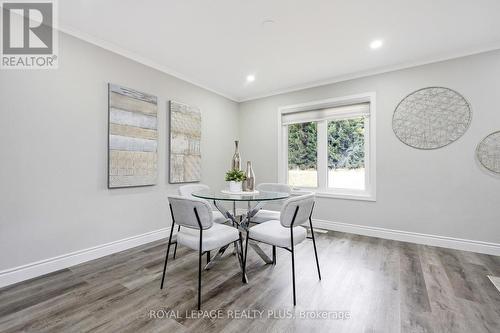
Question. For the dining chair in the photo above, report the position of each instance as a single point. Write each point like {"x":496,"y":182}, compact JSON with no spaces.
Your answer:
{"x":286,"y":232}
{"x":199,"y":231}
{"x":264,"y":215}
{"x":187,"y":191}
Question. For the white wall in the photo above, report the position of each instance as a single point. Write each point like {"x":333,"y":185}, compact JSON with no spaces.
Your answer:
{"x":441,"y":192}
{"x":53,"y":140}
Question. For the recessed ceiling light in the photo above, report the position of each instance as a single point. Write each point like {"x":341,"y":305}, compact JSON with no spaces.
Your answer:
{"x":250,"y":78}
{"x":376,"y":44}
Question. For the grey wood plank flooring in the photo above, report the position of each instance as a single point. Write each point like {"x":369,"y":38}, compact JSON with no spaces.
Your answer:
{"x":386,"y":286}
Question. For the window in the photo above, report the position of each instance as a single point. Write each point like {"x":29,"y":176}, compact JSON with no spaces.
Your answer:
{"x":328,"y":147}
{"x":303,"y":154}
{"x":346,"y":153}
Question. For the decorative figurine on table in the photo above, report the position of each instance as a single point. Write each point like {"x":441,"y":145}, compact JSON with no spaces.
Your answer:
{"x":249,"y":183}
{"x":236,"y":162}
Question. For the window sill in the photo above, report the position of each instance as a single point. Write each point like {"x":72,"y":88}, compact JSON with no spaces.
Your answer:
{"x":337,"y":195}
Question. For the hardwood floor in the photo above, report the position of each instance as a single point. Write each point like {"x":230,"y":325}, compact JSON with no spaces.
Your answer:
{"x":384,"y":285}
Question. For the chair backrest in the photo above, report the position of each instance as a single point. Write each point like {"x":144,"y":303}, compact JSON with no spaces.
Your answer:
{"x":305,"y":204}
{"x":274,"y":187}
{"x":184,"y":215}
{"x":187,"y":190}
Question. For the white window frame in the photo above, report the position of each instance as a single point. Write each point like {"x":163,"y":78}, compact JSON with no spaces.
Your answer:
{"x":369,"y":194}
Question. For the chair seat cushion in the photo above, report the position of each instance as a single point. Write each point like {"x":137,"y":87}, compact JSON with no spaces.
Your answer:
{"x":265,"y":215}
{"x":217,"y":236}
{"x":273,"y":233}
{"x":218,"y":217}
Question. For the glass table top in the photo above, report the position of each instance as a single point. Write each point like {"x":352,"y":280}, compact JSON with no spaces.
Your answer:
{"x":261,"y":196}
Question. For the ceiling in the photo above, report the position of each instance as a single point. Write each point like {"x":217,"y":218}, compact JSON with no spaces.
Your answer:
{"x":217,"y":43}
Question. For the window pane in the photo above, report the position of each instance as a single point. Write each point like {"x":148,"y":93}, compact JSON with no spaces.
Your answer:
{"x":346,"y":153}
{"x":302,"y":155}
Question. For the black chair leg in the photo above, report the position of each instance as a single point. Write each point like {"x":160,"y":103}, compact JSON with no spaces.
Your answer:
{"x":293,"y":260}
{"x":245,"y":260}
{"x":274,"y":255}
{"x":293,"y":254}
{"x":175,"y":247}
{"x":166,"y":257}
{"x":199,"y":279}
{"x":293,"y":277}
{"x":175,"y":250}
{"x":208,"y":257}
{"x":315,"y":251}
{"x":200,"y":256}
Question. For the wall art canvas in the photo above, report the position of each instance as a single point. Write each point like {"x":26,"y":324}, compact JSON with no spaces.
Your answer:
{"x":431,"y":118}
{"x":488,"y":152}
{"x":185,"y":140}
{"x":133,"y":138}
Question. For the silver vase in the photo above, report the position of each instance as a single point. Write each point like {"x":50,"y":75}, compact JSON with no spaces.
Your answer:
{"x":250,"y":181}
{"x":236,"y":162}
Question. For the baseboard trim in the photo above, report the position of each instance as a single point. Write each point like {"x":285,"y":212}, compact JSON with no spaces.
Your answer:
{"x":412,"y":237}
{"x":39,"y":268}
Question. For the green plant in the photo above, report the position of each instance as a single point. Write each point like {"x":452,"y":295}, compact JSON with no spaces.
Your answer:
{"x":235,"y":175}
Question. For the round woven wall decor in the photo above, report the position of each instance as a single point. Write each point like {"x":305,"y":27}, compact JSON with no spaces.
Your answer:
{"x":488,"y":152}
{"x":431,"y":118}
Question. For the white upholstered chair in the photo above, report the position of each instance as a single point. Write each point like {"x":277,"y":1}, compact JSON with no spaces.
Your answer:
{"x":199,"y":231}
{"x":287,"y":231}
{"x":188,"y":190}
{"x":264,"y":215}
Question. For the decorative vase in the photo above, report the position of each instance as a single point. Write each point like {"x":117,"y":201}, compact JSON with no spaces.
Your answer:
{"x":235,"y":186}
{"x":250,"y":181}
{"x":236,"y":162}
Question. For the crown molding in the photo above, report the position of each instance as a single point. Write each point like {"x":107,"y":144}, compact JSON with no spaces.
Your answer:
{"x":109,"y":46}
{"x":336,"y":79}
{"x":387,"y":69}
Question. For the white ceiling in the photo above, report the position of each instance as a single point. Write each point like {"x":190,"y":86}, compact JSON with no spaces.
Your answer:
{"x":217,"y":43}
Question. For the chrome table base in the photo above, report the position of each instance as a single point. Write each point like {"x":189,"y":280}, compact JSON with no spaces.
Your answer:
{"x":242,"y":223}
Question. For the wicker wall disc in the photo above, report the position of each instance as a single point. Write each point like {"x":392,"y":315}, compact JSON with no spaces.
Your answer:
{"x":431,"y":118}
{"x":488,"y":152}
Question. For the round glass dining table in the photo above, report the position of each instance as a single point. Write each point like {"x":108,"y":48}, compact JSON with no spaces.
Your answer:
{"x":226,"y":196}
{"x":242,"y":221}
{"x":259,"y":199}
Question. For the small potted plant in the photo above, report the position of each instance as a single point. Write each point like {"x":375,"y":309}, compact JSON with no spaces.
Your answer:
{"x":235,"y":178}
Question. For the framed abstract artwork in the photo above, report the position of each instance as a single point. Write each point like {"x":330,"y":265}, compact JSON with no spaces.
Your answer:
{"x":132,"y":138}
{"x":185,"y":140}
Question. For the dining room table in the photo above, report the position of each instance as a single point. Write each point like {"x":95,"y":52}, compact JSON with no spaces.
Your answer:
{"x":254,"y":200}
